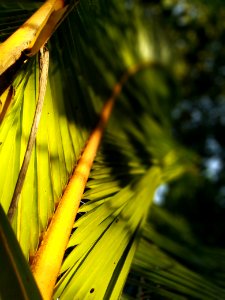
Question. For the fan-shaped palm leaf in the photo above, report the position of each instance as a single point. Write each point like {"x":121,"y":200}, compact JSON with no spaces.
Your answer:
{"x":88,"y":53}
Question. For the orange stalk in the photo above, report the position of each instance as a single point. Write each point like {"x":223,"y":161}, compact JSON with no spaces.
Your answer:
{"x":47,"y":261}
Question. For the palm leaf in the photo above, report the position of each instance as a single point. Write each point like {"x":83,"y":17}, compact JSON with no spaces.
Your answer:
{"x":176,"y":266}
{"x":131,"y":164}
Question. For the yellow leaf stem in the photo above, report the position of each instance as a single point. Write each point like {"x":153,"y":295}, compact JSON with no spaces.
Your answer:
{"x":47,"y":261}
{"x":33,"y":34}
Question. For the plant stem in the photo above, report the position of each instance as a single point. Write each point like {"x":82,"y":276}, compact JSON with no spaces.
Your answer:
{"x":44,"y":63}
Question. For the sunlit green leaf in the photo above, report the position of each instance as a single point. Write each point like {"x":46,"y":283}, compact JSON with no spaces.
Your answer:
{"x":16,"y":280}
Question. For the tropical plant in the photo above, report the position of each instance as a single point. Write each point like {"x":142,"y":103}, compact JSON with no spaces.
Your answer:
{"x":102,"y":54}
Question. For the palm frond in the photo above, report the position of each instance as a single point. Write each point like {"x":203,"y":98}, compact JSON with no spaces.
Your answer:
{"x":88,"y":54}
{"x":166,"y":267}
{"x":114,"y":215}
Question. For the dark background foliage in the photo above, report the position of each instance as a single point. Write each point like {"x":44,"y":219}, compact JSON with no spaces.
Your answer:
{"x":195,"y":31}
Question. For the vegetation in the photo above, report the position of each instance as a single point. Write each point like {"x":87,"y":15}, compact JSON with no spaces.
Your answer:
{"x":133,"y":103}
